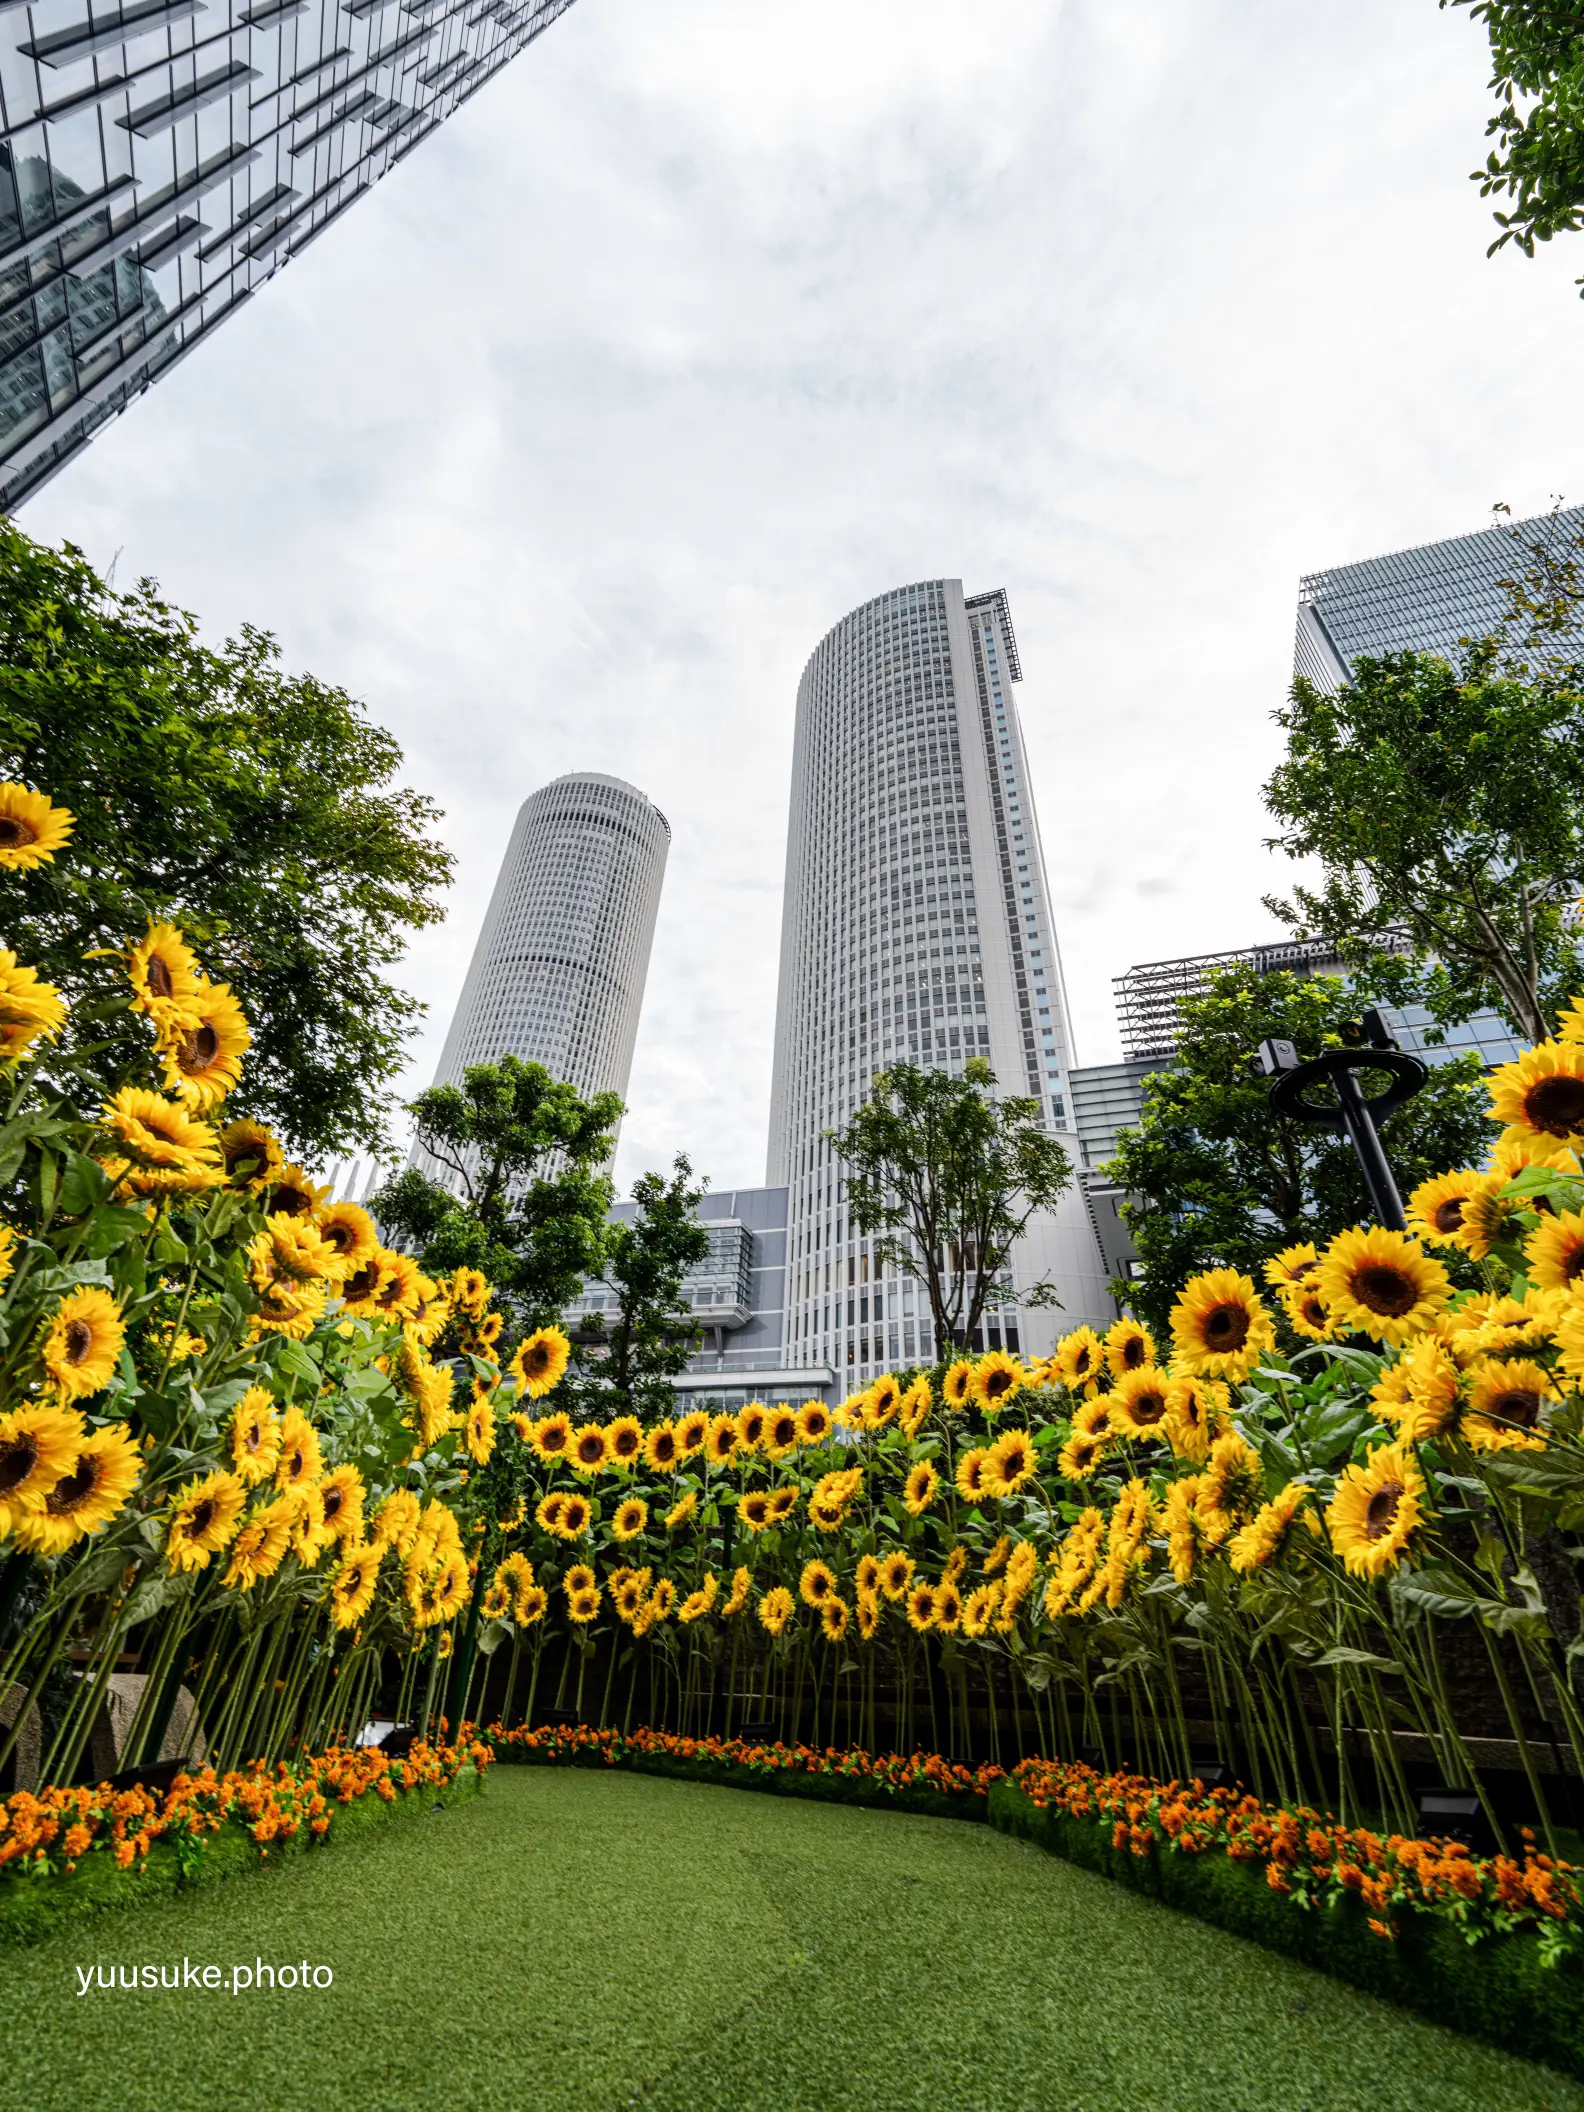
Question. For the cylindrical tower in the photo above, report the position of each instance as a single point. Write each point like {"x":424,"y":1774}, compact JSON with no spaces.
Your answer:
{"x":558,"y":972}
{"x":916,"y":926}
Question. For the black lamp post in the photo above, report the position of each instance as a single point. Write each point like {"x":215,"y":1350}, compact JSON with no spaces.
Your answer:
{"x":1371,"y":1048}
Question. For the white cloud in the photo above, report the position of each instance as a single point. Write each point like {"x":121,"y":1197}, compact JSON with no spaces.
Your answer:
{"x":702,"y":324}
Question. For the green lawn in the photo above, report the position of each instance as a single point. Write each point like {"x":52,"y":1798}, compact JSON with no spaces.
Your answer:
{"x":575,"y":1940}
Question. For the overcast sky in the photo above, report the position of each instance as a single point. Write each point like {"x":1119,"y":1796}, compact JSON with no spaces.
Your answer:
{"x":703,"y":323}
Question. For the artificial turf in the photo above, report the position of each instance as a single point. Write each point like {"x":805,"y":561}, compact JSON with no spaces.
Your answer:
{"x":575,"y":1940}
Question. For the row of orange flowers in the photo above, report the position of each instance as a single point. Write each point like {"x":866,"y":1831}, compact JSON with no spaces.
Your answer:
{"x":42,"y":1835}
{"x":1316,"y":1862}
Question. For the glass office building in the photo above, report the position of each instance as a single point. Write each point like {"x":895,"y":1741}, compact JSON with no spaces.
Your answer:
{"x":1421,"y":600}
{"x":916,"y":926}
{"x":161,"y":159}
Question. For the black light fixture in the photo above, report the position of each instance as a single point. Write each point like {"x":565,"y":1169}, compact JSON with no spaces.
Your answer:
{"x":1368,"y":1046}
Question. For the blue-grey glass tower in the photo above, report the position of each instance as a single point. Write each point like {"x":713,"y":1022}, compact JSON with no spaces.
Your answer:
{"x":159,"y":160}
{"x":1421,"y":600}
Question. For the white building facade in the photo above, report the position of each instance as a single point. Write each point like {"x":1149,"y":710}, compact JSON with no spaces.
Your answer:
{"x":916,"y":927}
{"x":559,"y":969}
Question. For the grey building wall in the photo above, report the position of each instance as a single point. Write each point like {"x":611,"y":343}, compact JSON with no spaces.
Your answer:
{"x":160,"y":161}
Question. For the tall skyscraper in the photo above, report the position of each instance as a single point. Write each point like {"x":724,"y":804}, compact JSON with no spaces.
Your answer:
{"x":558,"y":972}
{"x":1421,"y":600}
{"x":916,"y":925}
{"x":160,"y":159}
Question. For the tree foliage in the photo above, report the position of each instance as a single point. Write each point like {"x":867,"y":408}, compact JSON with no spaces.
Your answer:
{"x":528,"y":1154}
{"x":1215,"y":1178}
{"x":624,"y":1366}
{"x":949,"y":1175}
{"x":1445,"y":803}
{"x":256,"y":809}
{"x":1537,"y":162}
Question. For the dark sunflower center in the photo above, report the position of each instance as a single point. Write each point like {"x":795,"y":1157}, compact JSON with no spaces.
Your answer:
{"x":289,"y":1202}
{"x":590,"y":1449}
{"x":1314,"y":1312}
{"x":1573,"y":1267}
{"x":79,"y":1340}
{"x":158,"y":977}
{"x":199,"y":1049}
{"x":785,"y":1431}
{"x":1521,"y":1406}
{"x":1448,"y":1215}
{"x":15,"y":835}
{"x":1147,"y":1408}
{"x":665,"y":1446}
{"x":362,"y":1281}
{"x":18,"y":1458}
{"x":554,"y":1440}
{"x":255,"y":1436}
{"x":537,"y":1362}
{"x":1082,"y":1362}
{"x":333,"y":1502}
{"x":1555,"y":1105}
{"x":339,"y":1236}
{"x":202,"y":1517}
{"x":1385,"y":1290}
{"x":1381,"y":1515}
{"x":997,"y":1384}
{"x":1226,"y":1328}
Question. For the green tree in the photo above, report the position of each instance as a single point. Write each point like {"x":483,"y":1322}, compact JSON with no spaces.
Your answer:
{"x":624,"y":1366}
{"x":1445,"y":805}
{"x":949,"y":1175}
{"x":256,"y":809}
{"x":1537,"y":163}
{"x":528,"y":1153}
{"x":1214,"y":1178}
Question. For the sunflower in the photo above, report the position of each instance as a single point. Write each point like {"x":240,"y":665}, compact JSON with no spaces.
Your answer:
{"x":589,"y":1451}
{"x":573,"y":1516}
{"x":971,"y":1474}
{"x":896,"y":1573}
{"x":662,"y":1599}
{"x":754,"y":1511}
{"x":300,"y":1460}
{"x":1129,"y":1346}
{"x":541,"y":1361}
{"x":165,"y":977}
{"x":1505,"y":1400}
{"x":95,"y":1486}
{"x":478,"y":1427}
{"x":1182,"y":1525}
{"x":752,"y":1422}
{"x":396,"y":1521}
{"x":352,"y":1586}
{"x":957,"y":1386}
{"x":1375,"y":1510}
{"x":578,"y":1578}
{"x":742,"y":1584}
{"x":1220,"y":1327}
{"x":342,"y":1494}
{"x":948,"y":1607}
{"x":291,"y":1249}
{"x":307,"y":1535}
{"x":996,"y":1378}
{"x":628,"y":1588}
{"x":979,"y":1610}
{"x":362,"y":1292}
{"x":776,"y":1609}
{"x":868,"y":1616}
{"x":921,"y":1608}
{"x":1500,"y":1325}
{"x":289,"y":1310}
{"x":204,"y":1520}
{"x":348,"y":1228}
{"x":834,"y":1616}
{"x":37,"y":1446}
{"x":1292,"y":1265}
{"x":630,"y":1519}
{"x":661,"y":1450}
{"x":700,"y":1602}
{"x":814,"y":1423}
{"x":882,"y":1401}
{"x":32,"y":830}
{"x":203,"y":1046}
{"x":817,"y":1583}
{"x":530,"y":1605}
{"x":625,"y":1437}
{"x":8,"y":1247}
{"x":781,"y":1431}
{"x":30,"y":1010}
{"x":552,"y":1438}
{"x":1139,"y":1402}
{"x":292,"y":1194}
{"x":261,"y":1544}
{"x":1542,"y":1092}
{"x":1259,"y":1542}
{"x":1079,"y":1359}
{"x":1382,"y":1283}
{"x":680,"y":1513}
{"x":1555,"y":1251}
{"x":1430,"y":1391}
{"x":1436,"y":1207}
{"x":1307,"y":1312}
{"x":1012,"y":1462}
{"x":1080,"y":1457}
{"x":496,"y":1602}
{"x":82,"y":1345}
{"x":1230,"y":1488}
{"x":1488,"y":1214}
{"x":783,"y":1502}
{"x":720,"y":1447}
{"x":916,"y":1405}
{"x":918,"y":1492}
{"x":450,"y":1591}
{"x":866,"y":1577}
{"x":692,"y":1433}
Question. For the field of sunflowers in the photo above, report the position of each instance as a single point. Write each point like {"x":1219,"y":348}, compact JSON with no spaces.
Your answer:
{"x":262,"y":1480}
